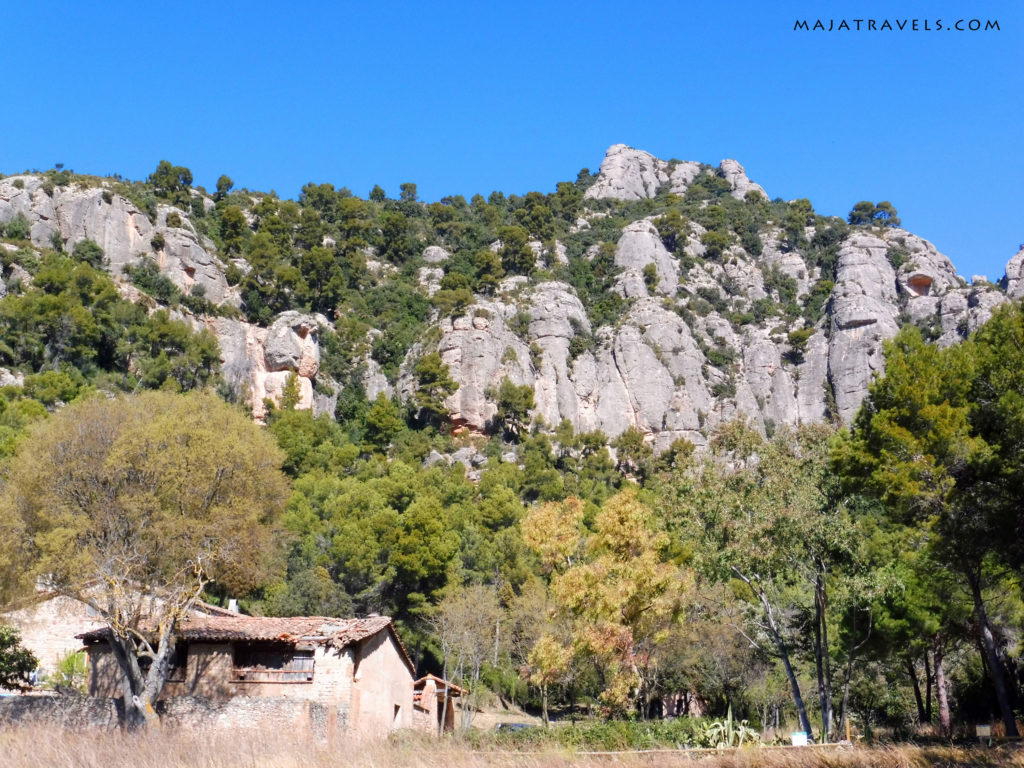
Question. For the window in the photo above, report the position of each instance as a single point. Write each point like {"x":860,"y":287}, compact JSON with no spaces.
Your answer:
{"x":272,"y":663}
{"x":178,"y":665}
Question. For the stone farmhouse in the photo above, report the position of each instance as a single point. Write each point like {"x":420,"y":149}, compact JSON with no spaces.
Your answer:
{"x":323,"y":674}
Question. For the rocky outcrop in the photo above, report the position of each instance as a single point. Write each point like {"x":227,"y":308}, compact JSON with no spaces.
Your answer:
{"x":739,"y":184}
{"x":864,"y":314}
{"x":628,"y":174}
{"x":126,"y":235}
{"x":632,"y":174}
{"x":1014,"y":279}
{"x":639,"y":246}
{"x":259,"y":361}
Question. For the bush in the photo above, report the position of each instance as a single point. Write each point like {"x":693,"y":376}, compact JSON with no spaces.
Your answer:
{"x":18,"y":228}
{"x":89,"y":252}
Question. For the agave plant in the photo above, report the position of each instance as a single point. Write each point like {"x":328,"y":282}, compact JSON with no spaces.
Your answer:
{"x":723,"y":734}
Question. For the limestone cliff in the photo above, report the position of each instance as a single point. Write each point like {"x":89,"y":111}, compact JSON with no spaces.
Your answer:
{"x":692,"y":348}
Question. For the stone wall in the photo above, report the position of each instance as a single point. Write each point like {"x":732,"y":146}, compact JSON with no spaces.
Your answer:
{"x":48,"y":628}
{"x":296,"y":716}
{"x":69,"y":711}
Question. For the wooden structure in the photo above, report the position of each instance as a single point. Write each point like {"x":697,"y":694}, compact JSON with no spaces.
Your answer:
{"x":434,"y":704}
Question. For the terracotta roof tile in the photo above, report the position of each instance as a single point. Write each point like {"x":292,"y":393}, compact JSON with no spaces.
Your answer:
{"x":338,"y":633}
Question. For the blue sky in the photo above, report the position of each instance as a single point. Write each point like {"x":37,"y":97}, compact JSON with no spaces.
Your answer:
{"x":471,"y":97}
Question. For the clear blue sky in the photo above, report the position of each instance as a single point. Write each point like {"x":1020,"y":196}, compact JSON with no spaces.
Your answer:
{"x":471,"y":97}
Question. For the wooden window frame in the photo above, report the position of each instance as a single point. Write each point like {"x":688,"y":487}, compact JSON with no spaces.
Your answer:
{"x":272,"y":662}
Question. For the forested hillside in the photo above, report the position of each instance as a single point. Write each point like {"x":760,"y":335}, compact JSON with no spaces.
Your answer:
{"x":594,"y":445}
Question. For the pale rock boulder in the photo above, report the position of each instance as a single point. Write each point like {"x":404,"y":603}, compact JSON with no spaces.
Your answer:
{"x":739,"y":184}
{"x":682,"y":176}
{"x":628,"y":174}
{"x":374,"y":381}
{"x":11,"y":378}
{"x":260,"y":360}
{"x":864,"y":314}
{"x":1013,"y":282}
{"x":292,"y":343}
{"x":639,"y":246}
{"x":962,"y":312}
{"x":925,"y":272}
{"x":435,"y":254}
{"x":555,"y":313}
{"x":788,"y":262}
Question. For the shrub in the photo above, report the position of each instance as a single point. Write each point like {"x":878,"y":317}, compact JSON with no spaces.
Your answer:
{"x":18,"y":228}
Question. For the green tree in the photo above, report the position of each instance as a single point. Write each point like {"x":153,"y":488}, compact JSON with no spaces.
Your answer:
{"x":407,"y":193}
{"x":133,"y":506}
{"x":16,"y":662}
{"x":434,"y":386}
{"x":89,"y":252}
{"x":885,"y":214}
{"x":383,"y":422}
{"x":171,"y":182}
{"x":516,"y":255}
{"x":755,"y":514}
{"x":233,"y":229}
{"x":224,"y":185}
{"x":914,"y":446}
{"x":377,"y":194}
{"x":862,"y":213}
{"x":514,"y":406}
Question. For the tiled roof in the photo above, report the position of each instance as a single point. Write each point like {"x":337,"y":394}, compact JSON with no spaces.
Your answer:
{"x":338,"y":633}
{"x":310,"y":629}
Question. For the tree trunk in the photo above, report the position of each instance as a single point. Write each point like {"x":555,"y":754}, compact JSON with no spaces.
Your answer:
{"x":544,"y":706}
{"x":912,"y":672}
{"x":996,"y":671}
{"x":927,"y":688}
{"x":821,"y":656}
{"x":783,"y":651}
{"x":941,"y":688}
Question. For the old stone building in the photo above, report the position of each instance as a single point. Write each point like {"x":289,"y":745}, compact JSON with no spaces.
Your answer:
{"x":323,"y":673}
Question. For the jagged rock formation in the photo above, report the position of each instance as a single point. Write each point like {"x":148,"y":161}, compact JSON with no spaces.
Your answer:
{"x":689,"y":352}
{"x":631,"y":174}
{"x":124,"y":232}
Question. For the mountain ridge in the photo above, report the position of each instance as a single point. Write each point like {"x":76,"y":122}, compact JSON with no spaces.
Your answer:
{"x":721,"y":303}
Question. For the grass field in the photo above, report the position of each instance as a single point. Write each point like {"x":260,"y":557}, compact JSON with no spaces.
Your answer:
{"x":36,"y":747}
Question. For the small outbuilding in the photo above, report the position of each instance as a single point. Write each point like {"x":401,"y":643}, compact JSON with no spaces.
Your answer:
{"x":434,"y":704}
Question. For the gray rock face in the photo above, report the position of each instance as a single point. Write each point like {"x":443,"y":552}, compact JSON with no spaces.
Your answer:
{"x":864,"y":312}
{"x":125,"y":234}
{"x":1014,"y":280}
{"x":738,"y":181}
{"x":260,"y":360}
{"x":632,"y":174}
{"x":639,"y":246}
{"x":628,"y":174}
{"x":434,"y":254}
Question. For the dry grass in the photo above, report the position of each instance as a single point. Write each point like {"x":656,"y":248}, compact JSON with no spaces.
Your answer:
{"x":37,"y":747}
